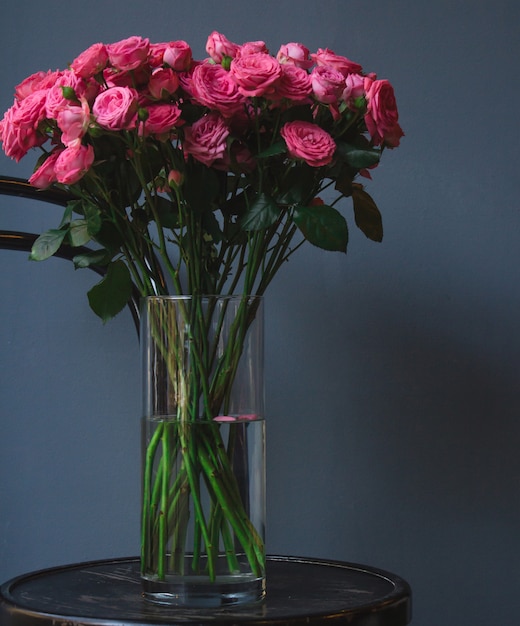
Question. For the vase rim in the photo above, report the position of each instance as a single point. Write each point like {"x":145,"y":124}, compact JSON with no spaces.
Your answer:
{"x":235,"y":296}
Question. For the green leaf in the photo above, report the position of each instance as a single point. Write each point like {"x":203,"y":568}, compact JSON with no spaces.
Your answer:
{"x":67,"y":215}
{"x":262,"y":213}
{"x":344,"y":178}
{"x":111,"y":295}
{"x":78,"y":233}
{"x":93,"y":217}
{"x":94,"y":257}
{"x":74,"y":206}
{"x":366,"y":214}
{"x":276,"y":148}
{"x":109,"y":237}
{"x":88,"y":210}
{"x":323,"y":226}
{"x":357,"y":156}
{"x":47,"y":244}
{"x":297,"y":186}
{"x":69,"y":94}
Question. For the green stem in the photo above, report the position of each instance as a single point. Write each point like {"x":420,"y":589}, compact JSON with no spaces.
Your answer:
{"x":146,"y":548}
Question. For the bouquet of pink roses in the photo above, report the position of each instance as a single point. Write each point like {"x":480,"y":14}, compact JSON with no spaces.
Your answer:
{"x":235,"y":148}
{"x":200,"y":178}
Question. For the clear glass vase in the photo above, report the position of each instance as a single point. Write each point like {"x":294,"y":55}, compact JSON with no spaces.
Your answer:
{"x":203,"y":498}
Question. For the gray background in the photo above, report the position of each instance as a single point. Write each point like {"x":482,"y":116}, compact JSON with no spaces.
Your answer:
{"x":391,"y":373}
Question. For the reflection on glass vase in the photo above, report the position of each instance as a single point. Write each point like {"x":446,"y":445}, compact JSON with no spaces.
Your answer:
{"x":203,"y":492}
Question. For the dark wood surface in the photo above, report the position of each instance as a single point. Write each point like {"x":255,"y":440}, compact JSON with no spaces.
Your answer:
{"x":299,"y":591}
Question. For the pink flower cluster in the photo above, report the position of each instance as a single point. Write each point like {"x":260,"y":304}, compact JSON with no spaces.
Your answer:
{"x":137,"y":86}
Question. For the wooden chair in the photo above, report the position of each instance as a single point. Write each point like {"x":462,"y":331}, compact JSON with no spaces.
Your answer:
{"x":23,"y":241}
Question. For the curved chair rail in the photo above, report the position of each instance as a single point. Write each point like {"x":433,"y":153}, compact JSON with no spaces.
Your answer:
{"x":11,"y":186}
{"x":22,"y":241}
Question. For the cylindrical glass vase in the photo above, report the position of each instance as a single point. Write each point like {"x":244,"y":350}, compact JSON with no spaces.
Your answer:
{"x":203,"y":495}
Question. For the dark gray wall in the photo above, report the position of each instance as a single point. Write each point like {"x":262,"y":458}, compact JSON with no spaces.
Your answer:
{"x":392,"y":373}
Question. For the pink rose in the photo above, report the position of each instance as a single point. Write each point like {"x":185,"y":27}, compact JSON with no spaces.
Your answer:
{"x":178,"y":56}
{"x":308,"y":142}
{"x":73,"y":121}
{"x":116,"y":78}
{"x":83,"y":88}
{"x":162,"y":120}
{"x":54,"y":102}
{"x":73,"y":163}
{"x":252,"y":47}
{"x":31,"y":110}
{"x":255,"y":74}
{"x":19,"y":128}
{"x":128,"y":54}
{"x":212,"y":86}
{"x":163,"y":82}
{"x":156,"y":53}
{"x":341,"y":64}
{"x":45,"y":175}
{"x":116,"y":108}
{"x":381,"y":116}
{"x":327,"y":84}
{"x":295,"y":54}
{"x":35,"y":82}
{"x":294,"y":84}
{"x":206,"y":140}
{"x":218,"y":46}
{"x":91,"y":61}
{"x":18,"y":136}
{"x":10,"y":135}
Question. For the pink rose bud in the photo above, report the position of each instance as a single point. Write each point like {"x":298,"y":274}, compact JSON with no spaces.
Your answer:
{"x":354,"y":88}
{"x":45,"y":176}
{"x":73,"y":163}
{"x":178,"y":56}
{"x":218,"y":46}
{"x":163,"y":82}
{"x":73,"y":121}
{"x":295,"y":54}
{"x":175,"y":178}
